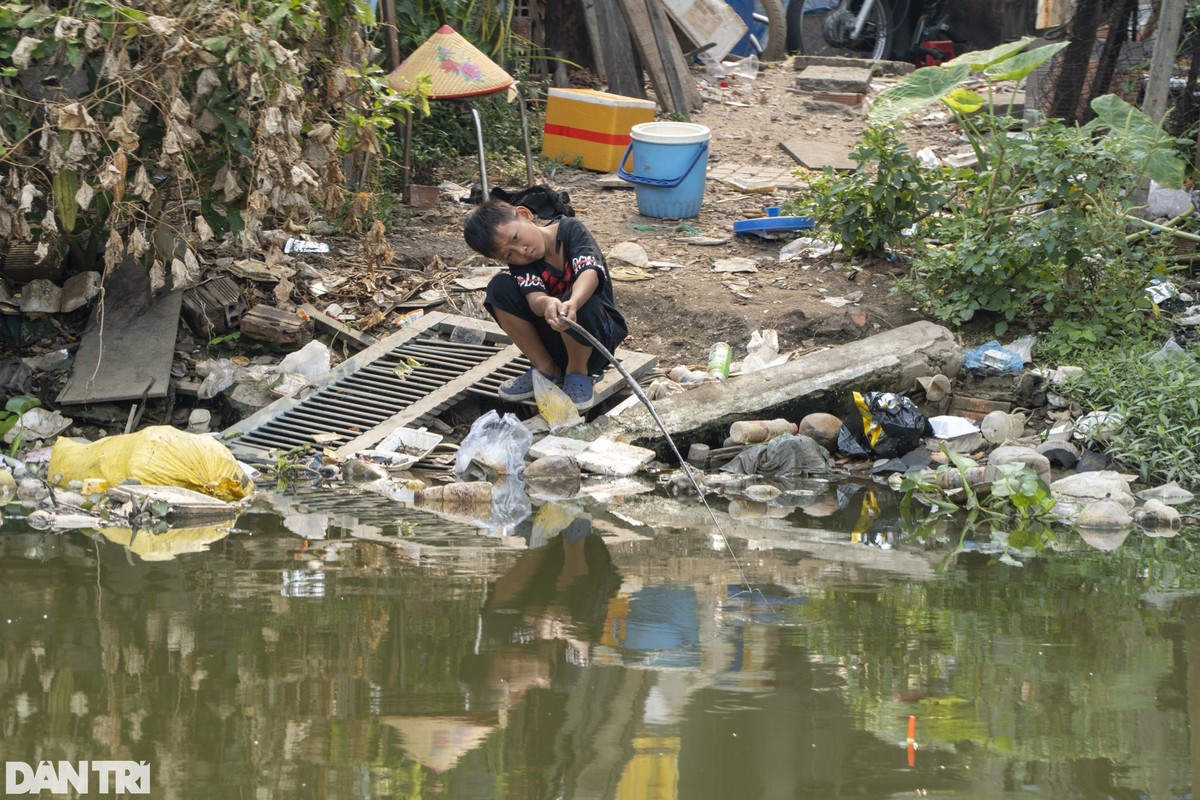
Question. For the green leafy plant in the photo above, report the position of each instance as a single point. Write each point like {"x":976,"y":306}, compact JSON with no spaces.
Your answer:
{"x":1159,"y":403}
{"x":1039,"y":231}
{"x":1019,"y":489}
{"x":14,"y":411}
{"x":869,"y":210}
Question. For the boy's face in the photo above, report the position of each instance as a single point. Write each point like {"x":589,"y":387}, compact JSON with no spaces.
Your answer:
{"x":518,"y":241}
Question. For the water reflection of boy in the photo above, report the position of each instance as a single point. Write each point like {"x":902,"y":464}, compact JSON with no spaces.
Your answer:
{"x":545,"y":613}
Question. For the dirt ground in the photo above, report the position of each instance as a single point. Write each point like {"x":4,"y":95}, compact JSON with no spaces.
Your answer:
{"x":684,"y":308}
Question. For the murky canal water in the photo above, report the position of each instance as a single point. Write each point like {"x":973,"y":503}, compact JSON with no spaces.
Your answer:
{"x":608,"y":649}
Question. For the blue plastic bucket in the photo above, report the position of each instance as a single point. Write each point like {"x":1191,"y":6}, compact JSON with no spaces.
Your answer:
{"x":670,"y":163}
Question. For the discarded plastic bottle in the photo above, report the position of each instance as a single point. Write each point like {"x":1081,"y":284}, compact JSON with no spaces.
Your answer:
{"x":719,"y":358}
{"x":685,"y":375}
{"x":760,"y":430}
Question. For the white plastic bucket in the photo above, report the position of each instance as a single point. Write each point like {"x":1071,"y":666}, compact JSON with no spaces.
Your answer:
{"x":670,"y":164}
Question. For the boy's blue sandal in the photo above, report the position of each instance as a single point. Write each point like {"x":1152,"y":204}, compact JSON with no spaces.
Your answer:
{"x":514,"y":390}
{"x":579,"y":389}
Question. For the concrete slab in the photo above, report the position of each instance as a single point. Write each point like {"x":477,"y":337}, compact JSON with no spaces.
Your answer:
{"x":557,"y":446}
{"x":615,"y":459}
{"x":819,"y":153}
{"x":782,"y":178}
{"x":835,"y":79}
{"x":890,"y":361}
{"x":129,"y":344}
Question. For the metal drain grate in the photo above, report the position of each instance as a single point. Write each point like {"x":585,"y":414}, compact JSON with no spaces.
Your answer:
{"x":404,"y":380}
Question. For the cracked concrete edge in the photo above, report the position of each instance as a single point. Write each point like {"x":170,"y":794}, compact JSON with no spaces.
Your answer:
{"x":889,"y":361}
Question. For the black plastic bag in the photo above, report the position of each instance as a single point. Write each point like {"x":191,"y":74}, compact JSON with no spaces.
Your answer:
{"x":888,"y":426}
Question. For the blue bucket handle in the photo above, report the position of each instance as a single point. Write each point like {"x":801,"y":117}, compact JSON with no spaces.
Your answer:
{"x":665,"y":183}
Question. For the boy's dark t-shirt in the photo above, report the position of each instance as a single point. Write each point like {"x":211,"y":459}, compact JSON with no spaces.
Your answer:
{"x":580,"y":253}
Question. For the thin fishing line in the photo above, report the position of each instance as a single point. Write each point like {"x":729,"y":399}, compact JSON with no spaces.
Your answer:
{"x":687,"y":469}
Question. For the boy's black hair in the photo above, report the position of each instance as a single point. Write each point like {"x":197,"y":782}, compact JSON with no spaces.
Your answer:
{"x":483,"y":223}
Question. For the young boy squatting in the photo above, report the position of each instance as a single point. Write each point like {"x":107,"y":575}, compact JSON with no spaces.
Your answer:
{"x":555,"y":271}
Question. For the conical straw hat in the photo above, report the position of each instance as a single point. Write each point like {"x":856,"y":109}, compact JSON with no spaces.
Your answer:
{"x":456,"y":68}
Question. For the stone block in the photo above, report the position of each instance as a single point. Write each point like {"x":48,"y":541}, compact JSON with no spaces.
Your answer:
{"x":80,"y":290}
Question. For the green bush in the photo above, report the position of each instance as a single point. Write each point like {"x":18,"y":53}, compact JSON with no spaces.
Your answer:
{"x":1040,"y":237}
{"x":869,"y":210}
{"x":1159,"y":438}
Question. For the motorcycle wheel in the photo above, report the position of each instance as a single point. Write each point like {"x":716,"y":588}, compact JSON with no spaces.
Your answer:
{"x":768,"y":30}
{"x":805,"y":18}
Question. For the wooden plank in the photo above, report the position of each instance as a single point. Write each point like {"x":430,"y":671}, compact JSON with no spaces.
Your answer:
{"x":340,"y":331}
{"x":594,"y":38}
{"x":622,"y":67}
{"x":271,"y":324}
{"x":683,"y":88}
{"x":646,"y":44}
{"x":129,"y":343}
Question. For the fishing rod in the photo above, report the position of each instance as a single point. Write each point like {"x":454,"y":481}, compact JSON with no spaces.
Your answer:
{"x":687,"y":468}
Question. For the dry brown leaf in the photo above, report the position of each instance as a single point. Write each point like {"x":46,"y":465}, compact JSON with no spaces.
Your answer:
{"x":74,"y":117}
{"x":138,"y":244}
{"x":376,"y":248}
{"x":125,"y":137}
{"x":163,"y":26}
{"x":116,"y":62}
{"x":322,"y":132}
{"x":373,"y":319}
{"x":77,"y":149}
{"x":83,"y":197}
{"x":67,"y":28}
{"x":114,"y":251}
{"x":142,"y":186}
{"x":23,"y":52}
{"x":358,"y":207}
{"x":158,"y":277}
{"x":283,"y":291}
{"x":202,"y":228}
{"x":49,"y":223}
{"x":54,"y":154}
{"x":93,"y":37}
{"x":28,"y":193}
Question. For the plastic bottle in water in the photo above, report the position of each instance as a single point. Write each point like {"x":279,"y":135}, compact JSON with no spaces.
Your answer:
{"x":719,"y":358}
{"x":760,"y":430}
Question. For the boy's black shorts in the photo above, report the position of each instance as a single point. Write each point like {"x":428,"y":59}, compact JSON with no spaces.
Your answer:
{"x":504,"y":294}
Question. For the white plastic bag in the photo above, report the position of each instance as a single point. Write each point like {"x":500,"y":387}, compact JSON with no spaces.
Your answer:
{"x":495,"y":445}
{"x":762,"y":351}
{"x":310,"y":361}
{"x":218,"y":379}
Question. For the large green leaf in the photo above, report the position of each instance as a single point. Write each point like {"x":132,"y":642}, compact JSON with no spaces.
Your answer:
{"x":916,"y":91}
{"x":964,"y":101}
{"x":1147,"y":145}
{"x":980,"y":60}
{"x":1020,"y":65}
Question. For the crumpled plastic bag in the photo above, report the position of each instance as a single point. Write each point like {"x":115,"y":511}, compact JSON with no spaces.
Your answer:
{"x":888,"y":426}
{"x":311,"y":361}
{"x":157,"y":456}
{"x":496,"y":446}
{"x":219,"y":378}
{"x":553,"y":404}
{"x":783,"y":456}
{"x":763,"y":351}
{"x":992,"y":354}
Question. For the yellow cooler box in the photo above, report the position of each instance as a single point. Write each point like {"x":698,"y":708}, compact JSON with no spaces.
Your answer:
{"x":591,"y":128}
